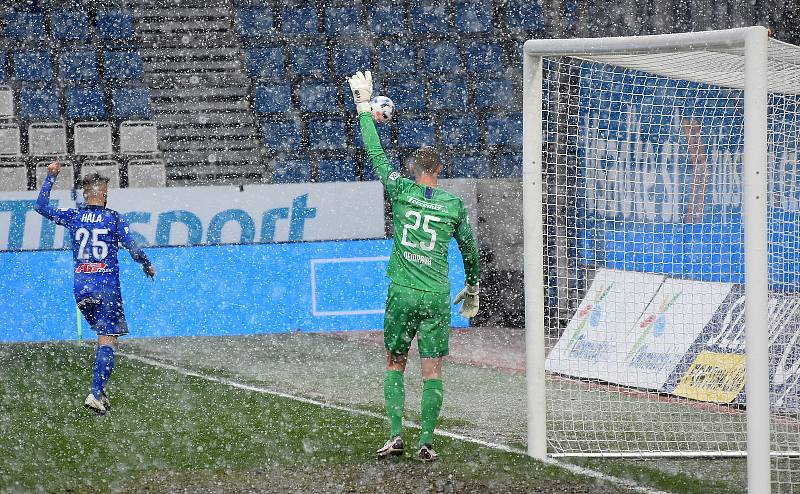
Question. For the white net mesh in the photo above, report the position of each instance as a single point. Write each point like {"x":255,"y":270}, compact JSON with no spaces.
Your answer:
{"x":645,"y":255}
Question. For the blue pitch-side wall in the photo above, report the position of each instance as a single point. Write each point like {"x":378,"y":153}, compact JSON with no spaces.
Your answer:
{"x":213,"y":290}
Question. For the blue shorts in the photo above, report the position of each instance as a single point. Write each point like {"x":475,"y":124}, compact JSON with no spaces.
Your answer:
{"x":103,"y":310}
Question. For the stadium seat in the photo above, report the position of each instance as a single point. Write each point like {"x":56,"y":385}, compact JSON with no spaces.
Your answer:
{"x":524,"y":16}
{"x":416,"y":132}
{"x":348,"y":59}
{"x":47,"y":139}
{"x":309,"y":60}
{"x":122,"y":65}
{"x":86,"y":103}
{"x":440,"y":57}
{"x":397,"y":59}
{"x":13,"y":177}
{"x":471,"y":166}
{"x":337,"y":170}
{"x":66,"y":179}
{"x":77,"y":66}
{"x":146,"y":173}
{"x":130,"y":102}
{"x":298,"y":19}
{"x":92,"y":139}
{"x":70,"y":25}
{"x":328,"y":134}
{"x":39,"y":103}
{"x":318,"y":97}
{"x":430,"y":19}
{"x":473,"y":17}
{"x":282,"y":135}
{"x":107,"y":168}
{"x":3,"y":66}
{"x":10,"y":140}
{"x":456,"y":132}
{"x":484,"y":56}
{"x":254,"y":22}
{"x":509,"y":165}
{"x":342,"y":20}
{"x":504,"y":130}
{"x":114,"y":25}
{"x":384,"y":133}
{"x":138,"y":137}
{"x":273,"y":98}
{"x":6,"y":102}
{"x":387,"y":18}
{"x":22,"y":25}
{"x":494,"y":93}
{"x":449,"y":95}
{"x":266,"y":62}
{"x":291,"y":171}
{"x":33,"y":66}
{"x":409,"y":93}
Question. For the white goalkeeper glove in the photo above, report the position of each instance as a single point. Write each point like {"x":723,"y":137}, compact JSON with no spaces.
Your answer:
{"x":470,"y":297}
{"x":361,"y":86}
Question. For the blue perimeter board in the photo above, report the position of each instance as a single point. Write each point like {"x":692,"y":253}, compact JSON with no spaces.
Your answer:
{"x":214,"y":290}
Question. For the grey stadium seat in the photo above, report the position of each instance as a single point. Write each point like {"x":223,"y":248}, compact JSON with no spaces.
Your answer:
{"x":13,"y":177}
{"x":93,"y":139}
{"x":107,"y":168}
{"x":47,"y":139}
{"x":66,"y":179}
{"x":138,"y":137}
{"x":147,"y":173}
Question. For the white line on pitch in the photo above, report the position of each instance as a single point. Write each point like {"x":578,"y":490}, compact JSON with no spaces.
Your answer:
{"x":628,"y":484}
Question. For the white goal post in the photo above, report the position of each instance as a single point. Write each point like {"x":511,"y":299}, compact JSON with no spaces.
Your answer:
{"x":657,"y":171}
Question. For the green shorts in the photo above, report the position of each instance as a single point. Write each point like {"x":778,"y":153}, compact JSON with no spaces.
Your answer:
{"x":411,"y":312}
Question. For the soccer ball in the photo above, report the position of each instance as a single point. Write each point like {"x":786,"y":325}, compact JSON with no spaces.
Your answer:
{"x":382,"y":109}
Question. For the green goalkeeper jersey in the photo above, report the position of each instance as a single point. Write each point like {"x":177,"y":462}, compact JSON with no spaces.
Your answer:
{"x":425,"y":219}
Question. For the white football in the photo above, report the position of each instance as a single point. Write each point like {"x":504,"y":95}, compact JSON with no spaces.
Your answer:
{"x":382,"y":109}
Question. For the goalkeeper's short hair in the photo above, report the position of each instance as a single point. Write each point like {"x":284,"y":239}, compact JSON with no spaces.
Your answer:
{"x":426,"y":160}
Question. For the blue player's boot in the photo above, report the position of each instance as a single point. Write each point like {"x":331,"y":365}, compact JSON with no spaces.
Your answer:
{"x":95,"y":405}
{"x":393,"y":447}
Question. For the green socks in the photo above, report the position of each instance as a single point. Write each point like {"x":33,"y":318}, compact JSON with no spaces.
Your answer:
{"x":432,"y":397}
{"x":394,"y":394}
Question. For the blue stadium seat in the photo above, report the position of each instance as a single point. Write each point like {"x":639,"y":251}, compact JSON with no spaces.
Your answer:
{"x":504,"y":130}
{"x":284,"y":135}
{"x":33,"y":66}
{"x":524,"y":16}
{"x":384,"y":132}
{"x":329,"y":134}
{"x":458,"y":132}
{"x":509,"y":165}
{"x":387,"y":19}
{"x":299,"y":20}
{"x":471,"y":166}
{"x":266,"y":62}
{"x":494,"y":93}
{"x":77,"y":66}
{"x":86,"y":103}
{"x":291,"y":171}
{"x":255,"y":22}
{"x":342,"y":20}
{"x":473,"y":17}
{"x":397,"y":59}
{"x":449,"y":95}
{"x":430,"y":18}
{"x":408,"y":94}
{"x":273,"y":98}
{"x":24,"y":25}
{"x":308,"y":60}
{"x":484,"y":56}
{"x":39,"y":103}
{"x":348,"y":59}
{"x":337,"y":170}
{"x":70,"y":25}
{"x":114,"y":25}
{"x":319,"y":97}
{"x":440,"y":57}
{"x":122,"y":65}
{"x":415,"y":132}
{"x":130,"y":102}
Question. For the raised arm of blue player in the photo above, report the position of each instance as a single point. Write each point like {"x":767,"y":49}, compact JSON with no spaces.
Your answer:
{"x":59,"y":216}
{"x":138,"y":255}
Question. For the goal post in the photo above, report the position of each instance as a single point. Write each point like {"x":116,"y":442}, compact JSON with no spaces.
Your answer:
{"x":657,"y":171}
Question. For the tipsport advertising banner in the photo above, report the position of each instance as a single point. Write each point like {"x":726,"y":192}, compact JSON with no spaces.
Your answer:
{"x":212,"y":215}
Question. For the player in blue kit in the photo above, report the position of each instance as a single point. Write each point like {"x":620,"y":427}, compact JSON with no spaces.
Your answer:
{"x":96,"y":233}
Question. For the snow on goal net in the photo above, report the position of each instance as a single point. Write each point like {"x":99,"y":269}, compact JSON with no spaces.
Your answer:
{"x":642,"y":157}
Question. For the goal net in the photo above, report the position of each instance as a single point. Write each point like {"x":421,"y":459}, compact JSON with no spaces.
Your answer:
{"x":648,"y":184}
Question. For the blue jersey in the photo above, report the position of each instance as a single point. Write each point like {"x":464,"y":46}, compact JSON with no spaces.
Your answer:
{"x":96,"y":234}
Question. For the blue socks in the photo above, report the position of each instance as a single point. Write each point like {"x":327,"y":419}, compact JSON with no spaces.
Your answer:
{"x":103,"y":365}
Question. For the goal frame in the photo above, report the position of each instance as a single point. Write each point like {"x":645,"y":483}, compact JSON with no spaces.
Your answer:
{"x":754,"y":41}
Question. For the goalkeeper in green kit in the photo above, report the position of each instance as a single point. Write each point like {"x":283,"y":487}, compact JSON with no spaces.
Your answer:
{"x":425,"y":218}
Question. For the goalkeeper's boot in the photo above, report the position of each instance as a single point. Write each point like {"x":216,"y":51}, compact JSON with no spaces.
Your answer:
{"x":426,"y":453}
{"x":95,"y":405}
{"x":393,"y":447}
{"x":105,"y":401}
